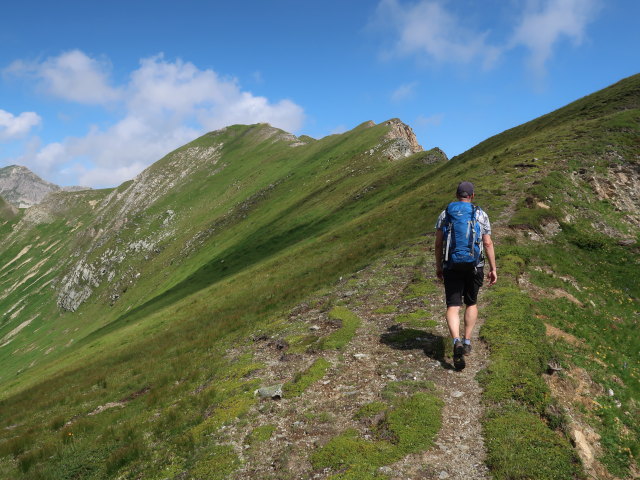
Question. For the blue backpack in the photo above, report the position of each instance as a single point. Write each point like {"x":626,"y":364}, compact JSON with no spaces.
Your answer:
{"x":462,"y":237}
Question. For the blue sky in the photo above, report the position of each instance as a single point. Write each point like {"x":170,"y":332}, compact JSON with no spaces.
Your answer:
{"x":91,"y":93}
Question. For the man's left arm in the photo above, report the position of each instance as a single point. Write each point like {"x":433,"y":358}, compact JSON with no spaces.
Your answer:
{"x":492,"y":274}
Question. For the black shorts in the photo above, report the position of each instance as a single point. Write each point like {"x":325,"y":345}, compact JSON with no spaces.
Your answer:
{"x":459,"y":285}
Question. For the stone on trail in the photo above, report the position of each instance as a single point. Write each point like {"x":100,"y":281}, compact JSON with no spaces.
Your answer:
{"x":274,"y":392}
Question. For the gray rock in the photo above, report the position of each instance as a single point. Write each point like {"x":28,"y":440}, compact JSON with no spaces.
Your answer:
{"x":274,"y":392}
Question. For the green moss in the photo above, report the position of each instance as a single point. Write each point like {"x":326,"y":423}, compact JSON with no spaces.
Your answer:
{"x":348,"y":451}
{"x":370,"y":410}
{"x":415,"y":421}
{"x":339,"y":339}
{"x":304,"y":380}
{"x":260,"y":434}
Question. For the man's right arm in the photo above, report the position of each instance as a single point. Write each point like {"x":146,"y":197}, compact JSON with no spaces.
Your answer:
{"x":438,"y":248}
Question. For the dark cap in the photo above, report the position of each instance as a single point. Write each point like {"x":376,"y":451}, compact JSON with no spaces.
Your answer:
{"x":465,"y":189}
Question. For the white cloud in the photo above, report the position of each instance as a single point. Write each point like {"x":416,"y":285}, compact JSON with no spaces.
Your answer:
{"x":165,"y":104}
{"x":428,"y":30}
{"x":71,"y":76}
{"x":545,"y":23}
{"x":13,"y":127}
{"x":404,"y":92}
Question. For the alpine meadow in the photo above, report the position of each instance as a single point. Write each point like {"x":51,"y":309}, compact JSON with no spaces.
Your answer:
{"x":260,"y":305}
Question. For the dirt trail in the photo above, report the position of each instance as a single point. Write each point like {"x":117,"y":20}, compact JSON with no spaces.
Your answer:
{"x":358,"y":375}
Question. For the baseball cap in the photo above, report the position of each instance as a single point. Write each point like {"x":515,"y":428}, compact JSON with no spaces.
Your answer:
{"x":465,"y":189}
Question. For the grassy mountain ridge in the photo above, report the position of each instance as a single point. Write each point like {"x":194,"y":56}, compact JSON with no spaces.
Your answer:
{"x":131,"y":296}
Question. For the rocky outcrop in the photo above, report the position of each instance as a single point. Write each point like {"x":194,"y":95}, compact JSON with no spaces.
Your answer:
{"x":403,"y":140}
{"x":620,"y":187}
{"x":434,"y":155}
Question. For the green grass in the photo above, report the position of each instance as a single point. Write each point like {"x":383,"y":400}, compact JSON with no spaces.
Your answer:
{"x":420,"y":288}
{"x":267,"y":227}
{"x":519,"y":443}
{"x":216,"y":464}
{"x":386,"y":309}
{"x":608,"y":313}
{"x":418,"y":319}
{"x":410,"y":422}
{"x":520,"y":446}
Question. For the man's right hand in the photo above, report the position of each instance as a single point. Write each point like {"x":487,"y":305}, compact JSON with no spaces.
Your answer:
{"x":492,"y":277}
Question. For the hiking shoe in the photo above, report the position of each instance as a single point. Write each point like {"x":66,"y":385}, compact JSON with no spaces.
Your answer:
{"x":467,"y":348}
{"x":458,"y":356}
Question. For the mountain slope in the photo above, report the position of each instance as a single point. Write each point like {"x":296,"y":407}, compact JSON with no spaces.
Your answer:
{"x":134,"y":318}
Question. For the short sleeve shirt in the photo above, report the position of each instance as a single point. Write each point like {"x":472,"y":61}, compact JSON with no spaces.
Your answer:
{"x":481,"y":217}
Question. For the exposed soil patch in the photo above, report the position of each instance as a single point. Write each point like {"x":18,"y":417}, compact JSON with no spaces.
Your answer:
{"x":575,"y":387}
{"x":557,"y":333}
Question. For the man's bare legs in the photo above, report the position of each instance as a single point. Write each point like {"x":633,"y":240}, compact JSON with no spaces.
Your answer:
{"x":453,"y":320}
{"x":470,"y":318}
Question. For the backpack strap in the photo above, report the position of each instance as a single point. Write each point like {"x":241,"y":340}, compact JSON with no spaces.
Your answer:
{"x":472,"y":225}
{"x":475,"y":239}
{"x":448,"y":224}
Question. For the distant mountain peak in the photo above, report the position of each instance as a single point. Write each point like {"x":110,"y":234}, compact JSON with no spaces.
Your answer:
{"x":22,"y":188}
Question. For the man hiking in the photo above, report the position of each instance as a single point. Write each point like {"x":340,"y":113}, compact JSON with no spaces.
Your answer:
{"x":463,"y":241}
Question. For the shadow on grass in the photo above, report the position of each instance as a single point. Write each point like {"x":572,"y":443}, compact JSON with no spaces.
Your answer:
{"x":401,"y":338}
